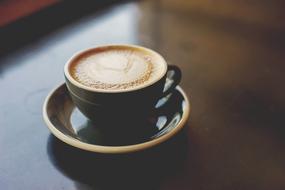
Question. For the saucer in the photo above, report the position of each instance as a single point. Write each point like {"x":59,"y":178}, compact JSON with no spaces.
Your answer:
{"x":67,"y":123}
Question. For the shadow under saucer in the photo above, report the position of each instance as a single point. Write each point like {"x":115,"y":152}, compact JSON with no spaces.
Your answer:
{"x":147,"y":169}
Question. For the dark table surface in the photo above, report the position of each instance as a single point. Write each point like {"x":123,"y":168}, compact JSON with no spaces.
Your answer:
{"x":232,"y":57}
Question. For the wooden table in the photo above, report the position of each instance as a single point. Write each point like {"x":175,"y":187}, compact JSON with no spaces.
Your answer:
{"x":232,"y":57}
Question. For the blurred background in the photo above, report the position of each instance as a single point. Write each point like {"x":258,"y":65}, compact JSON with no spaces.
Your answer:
{"x":232,"y":57}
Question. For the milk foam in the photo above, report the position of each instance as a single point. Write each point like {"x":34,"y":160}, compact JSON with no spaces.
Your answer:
{"x":116,"y":69}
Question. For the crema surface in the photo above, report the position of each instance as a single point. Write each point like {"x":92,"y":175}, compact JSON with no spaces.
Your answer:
{"x":116,"y":69}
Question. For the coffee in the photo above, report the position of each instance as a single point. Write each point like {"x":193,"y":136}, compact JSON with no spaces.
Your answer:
{"x":119,"y":81}
{"x":117,"y":68}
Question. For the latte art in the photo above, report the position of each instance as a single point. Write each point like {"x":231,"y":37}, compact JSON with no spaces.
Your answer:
{"x":115,"y":69}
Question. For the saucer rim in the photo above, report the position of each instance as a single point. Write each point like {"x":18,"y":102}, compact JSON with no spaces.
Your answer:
{"x":114,"y":149}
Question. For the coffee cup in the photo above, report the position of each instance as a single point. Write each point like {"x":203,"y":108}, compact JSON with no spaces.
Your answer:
{"x":118,"y":81}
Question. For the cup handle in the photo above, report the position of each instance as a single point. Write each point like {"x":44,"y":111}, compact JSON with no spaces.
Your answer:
{"x":173,"y":78}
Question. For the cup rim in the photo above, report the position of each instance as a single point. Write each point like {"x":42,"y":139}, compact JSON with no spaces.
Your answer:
{"x":79,"y":85}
